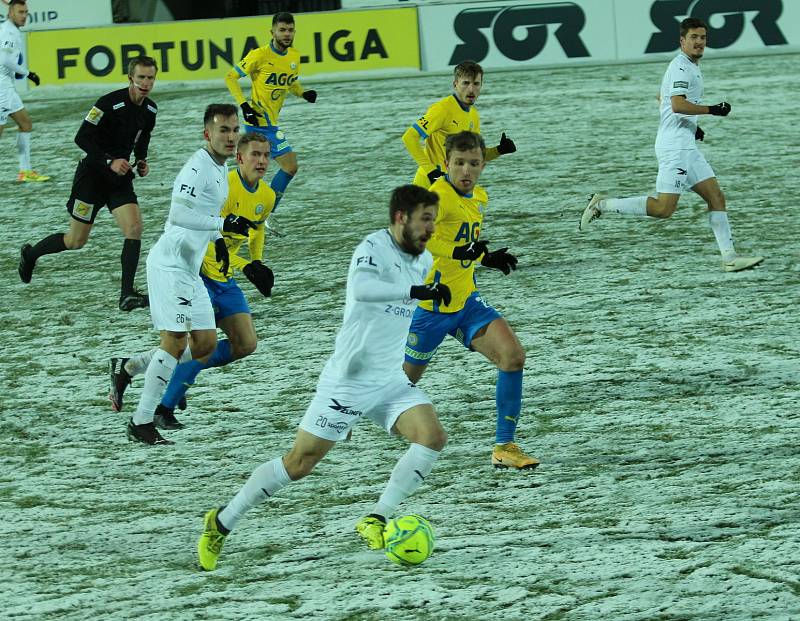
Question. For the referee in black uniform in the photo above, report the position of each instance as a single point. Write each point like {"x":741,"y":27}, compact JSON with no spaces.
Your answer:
{"x":120,"y":122}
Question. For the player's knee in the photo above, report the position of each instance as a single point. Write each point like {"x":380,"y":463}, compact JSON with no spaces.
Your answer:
{"x":299,"y":465}
{"x":660,"y":209}
{"x":133,"y":231}
{"x":413,"y":371}
{"x":244,"y":348}
{"x":291,"y":169}
{"x":435,"y":438}
{"x":512,"y":360}
{"x":74,"y":242}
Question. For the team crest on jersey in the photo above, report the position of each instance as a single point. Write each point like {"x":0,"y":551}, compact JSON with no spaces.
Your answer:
{"x":293,"y":66}
{"x":413,"y":339}
{"x":94,"y":116}
{"x":259,"y":208}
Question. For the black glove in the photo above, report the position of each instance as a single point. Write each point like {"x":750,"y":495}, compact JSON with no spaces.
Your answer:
{"x":261,"y":276}
{"x":435,"y":291}
{"x":500,"y":260}
{"x":237,"y":224}
{"x":222,"y":256}
{"x":471,"y":251}
{"x":309,"y":96}
{"x":34,"y":78}
{"x":434,"y":175}
{"x":720,"y":109}
{"x":248,"y":113}
{"x":506,"y":145}
{"x":699,"y":134}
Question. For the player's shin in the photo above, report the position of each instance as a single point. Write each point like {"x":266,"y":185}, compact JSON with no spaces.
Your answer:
{"x":508,"y":397}
{"x":51,"y":244}
{"x":634,"y":206}
{"x":718,"y":220}
{"x":155,"y":380}
{"x":408,"y":474}
{"x":265,"y":481}
{"x":182,"y":378}
{"x":130,"y":261}
{"x":221,"y":355}
{"x":279,"y":184}
{"x":24,"y":150}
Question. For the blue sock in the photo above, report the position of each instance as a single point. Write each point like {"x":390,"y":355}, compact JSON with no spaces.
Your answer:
{"x":508,"y":397}
{"x":221,"y":355}
{"x":182,"y":377}
{"x":279,"y":184}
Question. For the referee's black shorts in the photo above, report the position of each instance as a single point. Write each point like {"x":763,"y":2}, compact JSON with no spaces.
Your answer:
{"x":94,"y":189}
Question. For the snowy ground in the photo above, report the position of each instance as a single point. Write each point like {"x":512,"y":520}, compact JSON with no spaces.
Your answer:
{"x":660,"y":393}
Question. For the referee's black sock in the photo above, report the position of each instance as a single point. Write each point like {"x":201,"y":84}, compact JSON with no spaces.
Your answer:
{"x":49,"y":245}
{"x":130,"y":261}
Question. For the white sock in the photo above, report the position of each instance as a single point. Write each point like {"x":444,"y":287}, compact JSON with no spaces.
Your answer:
{"x":24,"y":150}
{"x":267,"y":480}
{"x":156,"y":378}
{"x":722,"y":231}
{"x":408,"y":474}
{"x":138,"y":362}
{"x":635,"y":206}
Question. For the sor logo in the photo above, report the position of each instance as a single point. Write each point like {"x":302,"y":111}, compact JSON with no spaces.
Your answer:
{"x":504,"y":20}
{"x":667,"y":15}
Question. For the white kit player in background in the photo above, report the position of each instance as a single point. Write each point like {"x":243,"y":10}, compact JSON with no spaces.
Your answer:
{"x":179,"y":302}
{"x":364,"y":377}
{"x":681,"y":165}
{"x":13,"y":64}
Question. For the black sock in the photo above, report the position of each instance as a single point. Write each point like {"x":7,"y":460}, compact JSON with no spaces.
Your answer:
{"x":130,"y":261}
{"x":49,"y":245}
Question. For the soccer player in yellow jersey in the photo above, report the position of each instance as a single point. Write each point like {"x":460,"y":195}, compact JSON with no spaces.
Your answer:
{"x":273,"y":71}
{"x":248,"y":197}
{"x":456,"y":246}
{"x":456,"y":113}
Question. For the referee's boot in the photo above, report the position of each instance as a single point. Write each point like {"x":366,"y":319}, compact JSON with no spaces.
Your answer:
{"x":133,"y":299}
{"x":510,"y":455}
{"x":146,"y":434}
{"x":164,"y":418}
{"x":26,"y":264}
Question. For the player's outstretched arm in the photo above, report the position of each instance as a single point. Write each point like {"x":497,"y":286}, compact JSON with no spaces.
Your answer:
{"x":500,"y":260}
{"x":234,"y":88}
{"x":505,"y":146}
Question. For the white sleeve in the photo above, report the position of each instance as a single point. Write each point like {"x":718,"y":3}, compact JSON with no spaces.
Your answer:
{"x":677,"y":82}
{"x":185,"y":193}
{"x":369,"y":267}
{"x":9,"y":55}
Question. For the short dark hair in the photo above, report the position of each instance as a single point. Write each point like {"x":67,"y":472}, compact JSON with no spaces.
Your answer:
{"x":467,"y":69}
{"x":141,"y":61}
{"x":283,"y":16}
{"x":464,"y":141}
{"x":222,"y":109}
{"x":13,"y":2}
{"x":251,"y":137}
{"x":406,"y":198}
{"x":692,"y":22}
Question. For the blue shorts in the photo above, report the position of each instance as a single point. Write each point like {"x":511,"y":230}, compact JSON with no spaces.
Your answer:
{"x":278,"y":144}
{"x":428,"y":328}
{"x":226,"y":298}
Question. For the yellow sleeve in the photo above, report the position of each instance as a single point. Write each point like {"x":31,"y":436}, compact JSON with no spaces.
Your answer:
{"x":238,"y":262}
{"x":432,"y":120}
{"x":232,"y":82}
{"x":415,"y":146}
{"x":296,"y":89}
{"x":492,"y":154}
{"x":256,"y":243}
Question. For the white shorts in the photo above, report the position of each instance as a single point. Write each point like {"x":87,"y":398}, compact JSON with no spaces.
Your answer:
{"x":680,"y":170}
{"x":179,"y":301}
{"x":339,"y":404}
{"x":10,"y":103}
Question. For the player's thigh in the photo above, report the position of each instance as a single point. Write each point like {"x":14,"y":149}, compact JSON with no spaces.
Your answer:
{"x":241,"y":333}
{"x":673,"y":171}
{"x":473,"y":319}
{"x":420,"y":425}
{"x":174,"y":301}
{"x":22,"y":119}
{"x":335,"y":409}
{"x":202,"y":343}
{"x":711,"y":193}
{"x":391,"y":400}
{"x":227,"y":298}
{"x":427,"y":331}
{"x":129,"y":219}
{"x":77,"y":234}
{"x":499,"y":343}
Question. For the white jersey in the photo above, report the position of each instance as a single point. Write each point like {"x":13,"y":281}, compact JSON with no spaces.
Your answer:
{"x":199,"y":191}
{"x":370,"y":345}
{"x":11,"y":60}
{"x":683,"y":77}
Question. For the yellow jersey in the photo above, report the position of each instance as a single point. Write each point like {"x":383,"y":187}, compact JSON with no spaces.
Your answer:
{"x":272,"y":75}
{"x":458,"y":222}
{"x":447,"y":116}
{"x":254,"y":203}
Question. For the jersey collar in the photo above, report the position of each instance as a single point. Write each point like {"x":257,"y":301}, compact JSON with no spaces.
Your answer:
{"x":272,"y":47}
{"x":249,"y":188}
{"x":461,"y":104}
{"x":455,"y":189}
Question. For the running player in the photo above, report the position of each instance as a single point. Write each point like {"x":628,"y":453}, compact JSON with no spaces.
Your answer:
{"x":120,"y":122}
{"x":12,"y":64}
{"x":363,"y":377}
{"x":681,"y":165}
{"x":273,"y":71}
{"x":470,"y":319}
{"x":424,"y":140}
{"x":180,"y":303}
{"x":249,"y":197}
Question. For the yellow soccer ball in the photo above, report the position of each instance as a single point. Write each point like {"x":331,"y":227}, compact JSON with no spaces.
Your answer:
{"x":409,"y":539}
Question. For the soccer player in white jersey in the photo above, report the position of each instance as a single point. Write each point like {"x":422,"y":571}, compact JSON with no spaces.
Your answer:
{"x":12,"y":64}
{"x":363,"y":377}
{"x":179,"y":302}
{"x":681,"y":165}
